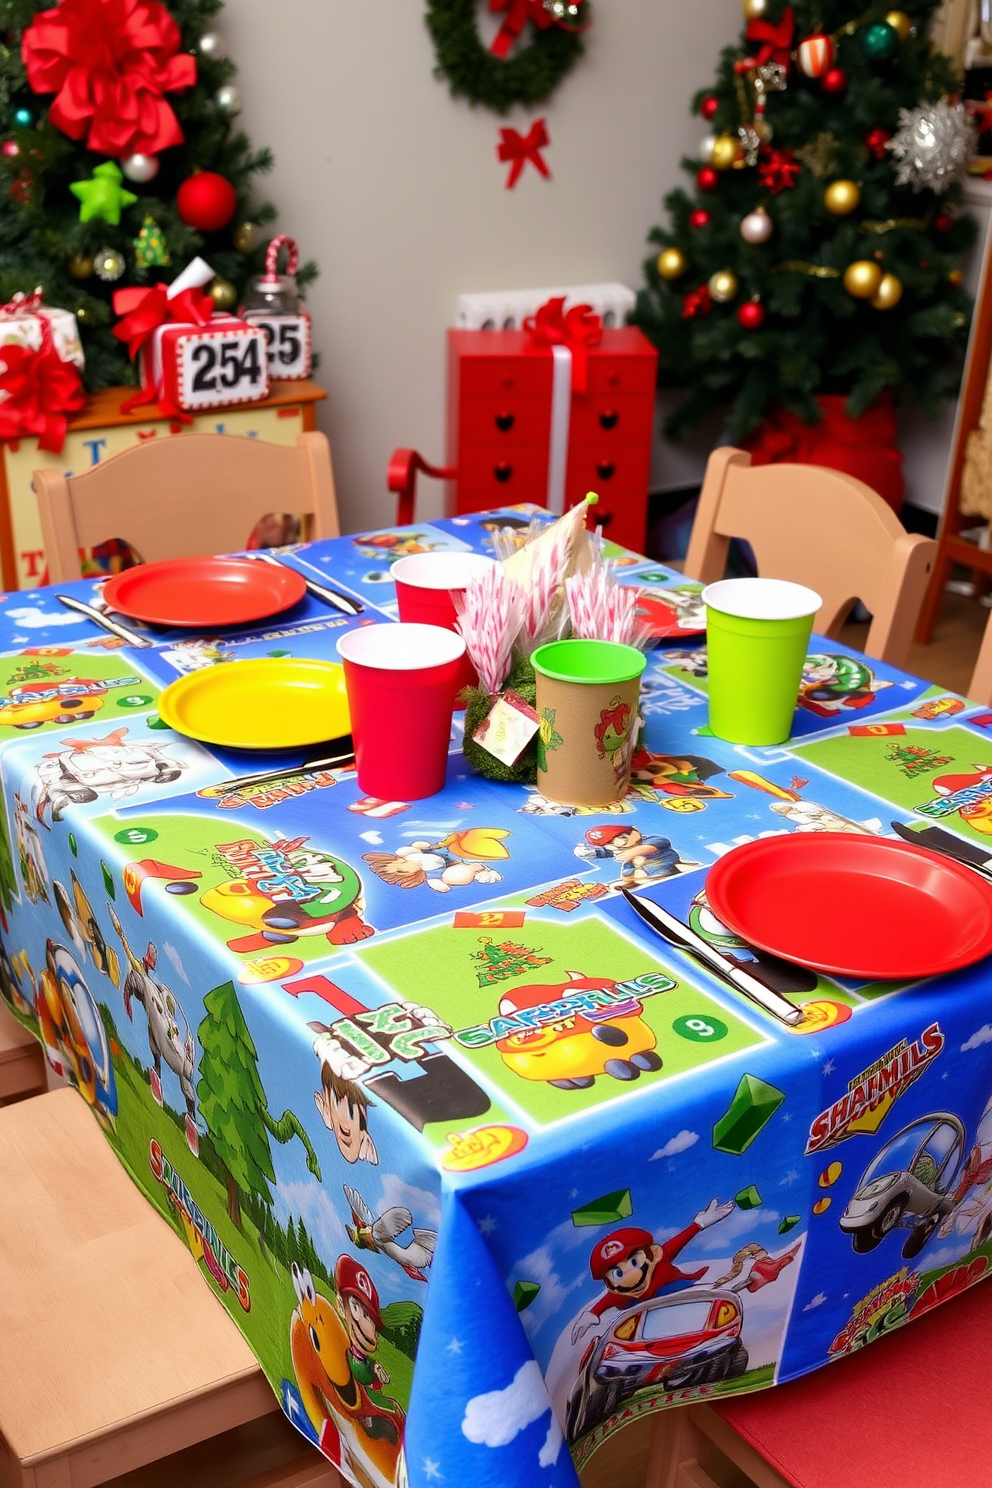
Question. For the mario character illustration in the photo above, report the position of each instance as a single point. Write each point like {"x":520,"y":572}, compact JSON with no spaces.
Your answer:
{"x":805,"y":816}
{"x":752,"y":1268}
{"x":343,"y":1107}
{"x":458,"y":860}
{"x":73,"y":1034}
{"x":831,"y":682}
{"x":676,"y":775}
{"x":165,"y":1038}
{"x":30,"y":855}
{"x":72,"y":701}
{"x":337,"y":1404}
{"x":286,"y":892}
{"x":369,"y":1232}
{"x":382,"y":1418}
{"x":392,"y":545}
{"x":81,"y":925}
{"x":977,"y":813}
{"x":570,"y":1051}
{"x":613,"y":734}
{"x":90,"y":768}
{"x":633,"y":1267}
{"x":642,"y":859}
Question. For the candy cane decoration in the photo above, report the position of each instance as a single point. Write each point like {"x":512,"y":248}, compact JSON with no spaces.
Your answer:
{"x":272,"y":256}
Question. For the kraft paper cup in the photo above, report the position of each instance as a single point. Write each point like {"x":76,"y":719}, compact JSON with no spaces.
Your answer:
{"x":401,"y":682}
{"x":757,"y":635}
{"x":426,"y":584}
{"x":587,"y":697}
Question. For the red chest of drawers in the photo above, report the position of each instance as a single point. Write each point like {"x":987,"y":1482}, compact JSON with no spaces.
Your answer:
{"x":499,"y":426}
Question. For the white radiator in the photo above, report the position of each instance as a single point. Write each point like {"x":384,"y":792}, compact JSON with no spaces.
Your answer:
{"x":506,"y":309}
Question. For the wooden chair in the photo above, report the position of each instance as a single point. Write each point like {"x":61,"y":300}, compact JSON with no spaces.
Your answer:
{"x":113,"y":1354}
{"x":22,"y":1063}
{"x":184,"y":496}
{"x":913,"y":1409}
{"x":980,"y":686}
{"x":821,"y":528}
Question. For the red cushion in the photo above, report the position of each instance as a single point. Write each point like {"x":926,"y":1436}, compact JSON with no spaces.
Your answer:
{"x":913,"y":1409}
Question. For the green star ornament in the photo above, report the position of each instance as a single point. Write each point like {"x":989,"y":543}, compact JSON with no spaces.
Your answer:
{"x":103,"y":196}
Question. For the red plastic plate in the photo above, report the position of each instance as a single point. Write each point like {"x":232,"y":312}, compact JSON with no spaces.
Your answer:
{"x":868,"y":907}
{"x":204,"y":591}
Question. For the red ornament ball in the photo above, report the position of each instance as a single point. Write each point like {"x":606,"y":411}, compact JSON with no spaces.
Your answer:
{"x":751,"y":315}
{"x":699,"y":218}
{"x":709,"y":106}
{"x":943,"y":222}
{"x":707,"y":179}
{"x":206,"y":201}
{"x":10,"y":149}
{"x":834,"y":82}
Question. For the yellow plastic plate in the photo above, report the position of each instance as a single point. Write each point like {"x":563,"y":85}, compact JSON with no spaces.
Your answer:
{"x":269,"y":703}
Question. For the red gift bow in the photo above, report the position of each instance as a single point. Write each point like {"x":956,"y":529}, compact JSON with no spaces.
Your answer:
{"x":109,"y":62}
{"x":41,"y":389}
{"x":142,"y":312}
{"x":519,"y":148}
{"x":519,"y":12}
{"x":579,"y":329}
{"x":776,"y":39}
{"x":778,"y":170}
{"x":23,"y":304}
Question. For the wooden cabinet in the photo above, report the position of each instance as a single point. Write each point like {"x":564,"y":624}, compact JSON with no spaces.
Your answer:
{"x":100,"y":431}
{"x":499,"y":426}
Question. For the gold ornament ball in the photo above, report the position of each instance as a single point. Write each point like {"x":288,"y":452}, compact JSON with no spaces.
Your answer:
{"x":247,"y":236}
{"x":723,"y":286}
{"x":862,"y":279}
{"x":899,"y":21}
{"x":842,"y":197}
{"x":755,"y":9}
{"x":889,"y":293}
{"x":956,"y":277}
{"x":726,"y":151}
{"x":671,"y":263}
{"x":80,"y":265}
{"x":223,"y":293}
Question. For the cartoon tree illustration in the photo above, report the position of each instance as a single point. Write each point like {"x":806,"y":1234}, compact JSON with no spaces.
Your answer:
{"x":234,"y":1106}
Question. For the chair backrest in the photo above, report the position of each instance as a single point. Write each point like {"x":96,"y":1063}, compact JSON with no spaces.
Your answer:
{"x":184,"y":496}
{"x":821,"y":528}
{"x":980,"y":686}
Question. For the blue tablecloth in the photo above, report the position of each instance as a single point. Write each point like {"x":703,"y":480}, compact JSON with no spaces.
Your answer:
{"x":481,"y":1167}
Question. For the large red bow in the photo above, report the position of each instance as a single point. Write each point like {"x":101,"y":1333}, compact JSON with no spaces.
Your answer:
{"x":41,"y":389}
{"x":776,"y":40}
{"x":519,"y":12}
{"x":109,"y":62}
{"x":579,"y":329}
{"x":517,"y":149}
{"x":144,"y":310}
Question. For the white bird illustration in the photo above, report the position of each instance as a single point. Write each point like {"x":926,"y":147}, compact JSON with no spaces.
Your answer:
{"x":370,"y":1233}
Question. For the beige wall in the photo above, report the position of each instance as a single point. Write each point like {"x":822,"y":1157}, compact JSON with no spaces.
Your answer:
{"x":394,"y":188}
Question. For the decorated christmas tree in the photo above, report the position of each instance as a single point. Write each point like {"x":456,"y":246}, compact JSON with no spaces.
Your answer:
{"x":819,"y":252}
{"x":120,"y":160}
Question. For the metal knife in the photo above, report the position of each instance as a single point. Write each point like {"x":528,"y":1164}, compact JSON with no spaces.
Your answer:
{"x":680,"y":935}
{"x":103,"y":620}
{"x":333,"y":597}
{"x":936,"y":840}
{"x":340,"y":752}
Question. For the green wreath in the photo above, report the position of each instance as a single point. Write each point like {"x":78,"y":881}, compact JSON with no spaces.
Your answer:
{"x":528,"y":77}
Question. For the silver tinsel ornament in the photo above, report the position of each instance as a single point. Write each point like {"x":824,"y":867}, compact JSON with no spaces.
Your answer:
{"x":932,"y":145}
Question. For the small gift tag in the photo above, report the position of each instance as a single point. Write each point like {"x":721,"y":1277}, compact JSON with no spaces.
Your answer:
{"x":507,"y":728}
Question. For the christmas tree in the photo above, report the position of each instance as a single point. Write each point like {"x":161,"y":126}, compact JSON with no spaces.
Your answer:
{"x":820,"y":251}
{"x":120,"y":162}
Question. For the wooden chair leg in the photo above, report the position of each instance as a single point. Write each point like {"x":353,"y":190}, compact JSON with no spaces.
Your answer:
{"x":678,"y":1453}
{"x":315,"y":1472}
{"x":716,"y":1430}
{"x":934,"y":597}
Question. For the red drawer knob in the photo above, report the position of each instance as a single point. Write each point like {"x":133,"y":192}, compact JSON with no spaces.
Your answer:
{"x":605,"y":469}
{"x":609,"y":418}
{"x":502,"y":472}
{"x":505,"y":422}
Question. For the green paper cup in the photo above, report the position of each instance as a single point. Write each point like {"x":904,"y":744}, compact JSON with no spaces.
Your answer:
{"x":587,"y":697}
{"x":757,"y":634}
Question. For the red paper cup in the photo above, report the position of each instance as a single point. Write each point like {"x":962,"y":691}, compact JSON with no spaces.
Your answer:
{"x":425,"y":584}
{"x":401,"y":682}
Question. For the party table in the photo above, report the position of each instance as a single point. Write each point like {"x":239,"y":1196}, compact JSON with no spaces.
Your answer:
{"x":482,"y":1167}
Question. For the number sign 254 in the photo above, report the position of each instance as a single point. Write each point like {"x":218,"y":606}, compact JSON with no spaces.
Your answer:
{"x":287,"y":342}
{"x":214,"y":368}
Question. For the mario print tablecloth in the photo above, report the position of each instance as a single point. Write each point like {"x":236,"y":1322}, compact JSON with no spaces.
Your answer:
{"x":481,"y":1168}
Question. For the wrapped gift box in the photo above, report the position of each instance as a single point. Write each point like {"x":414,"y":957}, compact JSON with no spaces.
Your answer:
{"x":21,"y":324}
{"x":217,"y":365}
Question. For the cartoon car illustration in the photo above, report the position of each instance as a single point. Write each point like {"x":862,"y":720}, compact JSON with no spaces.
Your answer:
{"x":910,"y":1184}
{"x":674,"y":1342}
{"x":89,"y":768}
{"x":34,"y":703}
{"x":569,"y":1051}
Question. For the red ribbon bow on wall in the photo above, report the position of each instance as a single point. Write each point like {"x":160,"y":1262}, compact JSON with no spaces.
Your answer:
{"x":579,"y":329}
{"x":41,"y":389}
{"x":144,"y":310}
{"x":109,"y":62}
{"x":516,"y":149}
{"x":776,"y":39}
